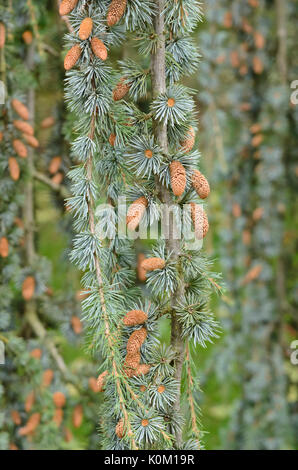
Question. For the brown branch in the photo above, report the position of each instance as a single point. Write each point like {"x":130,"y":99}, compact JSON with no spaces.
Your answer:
{"x":158,"y":74}
{"x":190,"y":383}
{"x":116,"y":373}
{"x":54,"y":186}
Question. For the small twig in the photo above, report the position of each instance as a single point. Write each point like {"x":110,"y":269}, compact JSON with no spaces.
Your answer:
{"x":40,"y":331}
{"x":56,"y":187}
{"x":4,"y":339}
{"x":190,"y":383}
{"x":66,"y":20}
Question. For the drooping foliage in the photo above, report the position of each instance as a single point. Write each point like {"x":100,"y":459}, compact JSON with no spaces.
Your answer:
{"x":135,"y":140}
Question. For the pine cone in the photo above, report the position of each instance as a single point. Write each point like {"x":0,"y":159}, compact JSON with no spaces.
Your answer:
{"x":99,"y":49}
{"x":27,"y":37}
{"x":132,"y":361}
{"x":24,"y":127}
{"x":143,"y":369}
{"x":178,"y":178}
{"x":47,"y":122}
{"x":2,"y":35}
{"x":85,"y":28}
{"x":101,"y":381}
{"x":55,"y":165}
{"x":135,"y":317}
{"x":121,"y":89}
{"x":20,"y":109}
{"x":31,"y":140}
{"x":92,"y":382}
{"x":67,"y":6}
{"x":59,"y":399}
{"x":14,"y":168}
{"x":189,"y":140}
{"x":135,"y":212}
{"x":4,"y":247}
{"x":252,"y":274}
{"x":140,"y":270}
{"x":136,"y":340}
{"x":200,"y":184}
{"x":77,"y":416}
{"x":119,"y":430}
{"x":72,"y":57}
{"x":28,"y":288}
{"x":200,"y":221}
{"x":20,"y":148}
{"x":47,"y":377}
{"x":31,"y":425}
{"x":150,"y":264}
{"x":76,"y":325}
{"x":116,"y":11}
{"x":58,"y":178}
{"x":36,"y":353}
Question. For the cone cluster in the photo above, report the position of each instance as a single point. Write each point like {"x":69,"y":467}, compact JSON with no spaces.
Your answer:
{"x":132,"y":364}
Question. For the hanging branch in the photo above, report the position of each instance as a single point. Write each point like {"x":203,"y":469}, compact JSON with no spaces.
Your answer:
{"x":158,"y":74}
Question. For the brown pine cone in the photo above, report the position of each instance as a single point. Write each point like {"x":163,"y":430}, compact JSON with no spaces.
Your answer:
{"x":135,"y":212}
{"x":200,"y":184}
{"x":178,"y":178}
{"x":20,"y":109}
{"x":150,"y":264}
{"x":72,"y":57}
{"x":99,"y":49}
{"x":189,"y":141}
{"x":86,"y":29}
{"x":101,"y":381}
{"x":116,"y":11}
{"x":67,"y":6}
{"x":200,"y":221}
{"x":135,"y":317}
{"x":121,"y":89}
{"x":136,"y":340}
